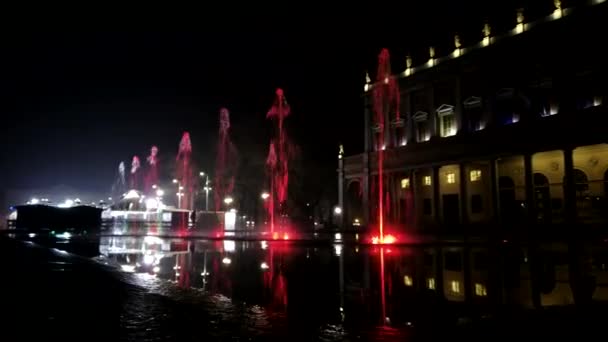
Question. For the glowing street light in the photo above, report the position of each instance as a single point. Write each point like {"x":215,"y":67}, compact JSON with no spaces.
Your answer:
{"x":338,"y":211}
{"x":265,"y":195}
{"x":174,"y":181}
{"x":154,"y":186}
{"x":228,"y":200}
{"x":159,"y":192}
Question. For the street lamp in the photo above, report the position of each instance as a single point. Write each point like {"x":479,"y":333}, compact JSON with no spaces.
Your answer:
{"x":265,"y":195}
{"x":179,"y":193}
{"x":207,"y":188}
{"x":228,"y":200}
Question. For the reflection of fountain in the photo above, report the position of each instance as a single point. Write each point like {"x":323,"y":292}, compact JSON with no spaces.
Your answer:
{"x":134,"y":179}
{"x":278,"y":159}
{"x":184,"y":171}
{"x":386,"y":102}
{"x":274,"y":279}
{"x":152,"y":172}
{"x":382,"y":288}
{"x":224,"y":162}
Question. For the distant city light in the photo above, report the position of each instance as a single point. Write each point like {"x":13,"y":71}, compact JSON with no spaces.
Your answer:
{"x":228,"y":200}
{"x":34,"y":201}
{"x":265,"y":195}
{"x":264,"y":266}
{"x":68,"y":203}
{"x":160,"y":192}
{"x":337,"y":210}
{"x":226,"y":261}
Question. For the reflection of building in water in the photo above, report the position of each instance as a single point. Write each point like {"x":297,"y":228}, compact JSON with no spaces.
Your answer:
{"x":501,"y":275}
{"x":140,"y":254}
{"x":493,"y":135}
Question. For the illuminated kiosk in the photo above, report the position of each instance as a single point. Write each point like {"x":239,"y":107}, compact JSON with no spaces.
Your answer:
{"x":136,"y":207}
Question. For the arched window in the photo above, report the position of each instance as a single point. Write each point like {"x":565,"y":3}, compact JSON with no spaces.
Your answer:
{"x":581,"y":183}
{"x":354,"y":204}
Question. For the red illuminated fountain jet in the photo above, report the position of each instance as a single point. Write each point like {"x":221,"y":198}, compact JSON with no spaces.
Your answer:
{"x":386,"y":102}
{"x":277,"y":161}
{"x":225,"y":161}
{"x":184,"y":171}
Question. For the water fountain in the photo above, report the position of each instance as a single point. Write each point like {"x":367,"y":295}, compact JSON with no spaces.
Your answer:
{"x":386,"y":98}
{"x":134,"y":178}
{"x":225,"y":162}
{"x":152,"y":172}
{"x":120,"y":183}
{"x":277,"y":161}
{"x":184,"y":172}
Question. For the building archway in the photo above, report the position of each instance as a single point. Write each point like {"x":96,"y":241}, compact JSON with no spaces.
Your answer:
{"x":354,"y":203}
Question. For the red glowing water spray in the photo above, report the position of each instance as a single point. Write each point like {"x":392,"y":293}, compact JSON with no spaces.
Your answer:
{"x":225,"y":161}
{"x":152,"y":175}
{"x":184,"y":170}
{"x":386,"y":101}
{"x":278,"y":157}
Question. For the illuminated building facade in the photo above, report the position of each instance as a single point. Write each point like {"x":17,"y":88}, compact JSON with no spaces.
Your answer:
{"x":495,"y":136}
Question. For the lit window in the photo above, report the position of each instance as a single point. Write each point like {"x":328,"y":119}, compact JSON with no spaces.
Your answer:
{"x":408,"y":281}
{"x":451,"y":178}
{"x":430,"y":283}
{"x":427,"y":180}
{"x":455,"y":285}
{"x":480,"y":290}
{"x":405,"y":183}
{"x":475,"y":175}
{"x":447,"y":120}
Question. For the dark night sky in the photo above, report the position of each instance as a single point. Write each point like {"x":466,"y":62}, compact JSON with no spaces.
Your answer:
{"x":76,"y":102}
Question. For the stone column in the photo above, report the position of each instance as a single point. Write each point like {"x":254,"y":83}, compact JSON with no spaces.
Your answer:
{"x":569,"y":188}
{"x":461,"y":119}
{"x":432,"y":112}
{"x":464,"y":196}
{"x":340,"y":220}
{"x":413,"y":220}
{"x":494,"y":190}
{"x":436,"y":195}
{"x":533,"y":249}
{"x":365,"y":184}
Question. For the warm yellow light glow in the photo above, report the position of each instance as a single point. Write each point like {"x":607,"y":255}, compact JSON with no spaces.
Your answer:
{"x":408,"y":71}
{"x":597,"y":100}
{"x":366,"y":87}
{"x":456,"y":53}
{"x":480,"y":290}
{"x":405,"y":183}
{"x":427,"y":180}
{"x":475,"y":175}
{"x":455,"y":286}
{"x":485,"y":41}
{"x":430,"y":283}
{"x":451,"y":178}
{"x":407,"y":280}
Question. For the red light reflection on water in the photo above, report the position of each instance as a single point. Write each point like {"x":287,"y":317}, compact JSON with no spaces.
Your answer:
{"x":386,"y":240}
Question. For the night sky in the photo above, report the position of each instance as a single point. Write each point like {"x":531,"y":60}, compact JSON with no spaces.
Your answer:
{"x":77,"y":102}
